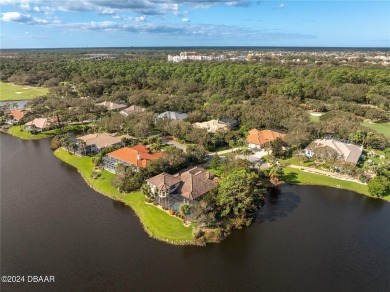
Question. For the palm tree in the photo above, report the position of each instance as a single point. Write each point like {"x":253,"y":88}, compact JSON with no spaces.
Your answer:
{"x":275,"y":175}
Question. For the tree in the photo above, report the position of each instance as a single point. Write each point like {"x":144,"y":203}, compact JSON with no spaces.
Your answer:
{"x":379,"y":186}
{"x":185,"y":210}
{"x":215,"y":161}
{"x":239,"y":194}
{"x":277,"y":147}
{"x":275,"y":175}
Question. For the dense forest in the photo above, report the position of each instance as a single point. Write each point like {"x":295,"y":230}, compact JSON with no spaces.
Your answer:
{"x":258,"y":94}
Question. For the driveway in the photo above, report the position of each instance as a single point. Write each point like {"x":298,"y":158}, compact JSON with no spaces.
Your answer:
{"x":174,"y":143}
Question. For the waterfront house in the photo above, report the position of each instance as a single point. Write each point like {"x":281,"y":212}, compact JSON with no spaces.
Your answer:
{"x":94,"y":143}
{"x":132,"y":110}
{"x":343,"y":150}
{"x":185,"y":187}
{"x":112,"y":106}
{"x":213,"y":126}
{"x":14,"y":117}
{"x":172,"y":116}
{"x":258,"y":139}
{"x":138,"y":156}
{"x":38,"y":125}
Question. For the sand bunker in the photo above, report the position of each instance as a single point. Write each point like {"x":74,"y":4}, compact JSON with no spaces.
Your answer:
{"x":18,"y":92}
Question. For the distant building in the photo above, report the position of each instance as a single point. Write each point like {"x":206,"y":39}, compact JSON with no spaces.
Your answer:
{"x":112,"y":106}
{"x":193,"y":56}
{"x":172,"y":116}
{"x":14,"y":116}
{"x":213,"y":126}
{"x":344,"y":150}
{"x":258,"y":139}
{"x":132,"y":110}
{"x":138,"y":156}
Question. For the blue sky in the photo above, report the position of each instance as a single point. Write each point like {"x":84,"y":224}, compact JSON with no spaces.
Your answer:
{"x":124,"y":23}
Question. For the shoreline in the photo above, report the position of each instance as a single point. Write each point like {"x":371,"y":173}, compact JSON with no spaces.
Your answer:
{"x":137,"y":211}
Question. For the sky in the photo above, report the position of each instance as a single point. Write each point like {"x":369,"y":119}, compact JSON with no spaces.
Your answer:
{"x":149,"y":23}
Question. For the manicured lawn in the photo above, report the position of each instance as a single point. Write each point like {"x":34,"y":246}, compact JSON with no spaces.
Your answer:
{"x":19,"y":132}
{"x":9,"y":91}
{"x":383,"y":128}
{"x":296,"y":176}
{"x":315,"y":119}
{"x":295,"y":161}
{"x":157,"y":222}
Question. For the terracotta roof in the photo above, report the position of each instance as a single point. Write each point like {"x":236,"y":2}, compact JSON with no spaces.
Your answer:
{"x":39,"y":123}
{"x":132,"y":110}
{"x":163,"y":181}
{"x":101,"y":140}
{"x":137,"y":155}
{"x":111,"y":105}
{"x":17,"y":115}
{"x":261,"y":137}
{"x":195,"y":182}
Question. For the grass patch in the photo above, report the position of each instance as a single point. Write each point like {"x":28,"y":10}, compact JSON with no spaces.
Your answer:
{"x":295,"y":161}
{"x":156,"y":222}
{"x":9,"y":91}
{"x":19,"y":132}
{"x":383,"y":128}
{"x":315,"y":119}
{"x":296,"y":176}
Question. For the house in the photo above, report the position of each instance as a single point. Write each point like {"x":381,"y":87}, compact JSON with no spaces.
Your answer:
{"x":258,"y":139}
{"x":94,"y":143}
{"x":112,"y":106}
{"x":38,"y":125}
{"x":344,"y":150}
{"x":172,"y":116}
{"x":138,"y":156}
{"x":185,"y":187}
{"x":212,"y":126}
{"x":132,"y":110}
{"x":15,"y":116}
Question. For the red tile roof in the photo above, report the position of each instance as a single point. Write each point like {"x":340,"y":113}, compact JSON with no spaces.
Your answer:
{"x":17,"y":115}
{"x":261,"y":137}
{"x":137,"y":155}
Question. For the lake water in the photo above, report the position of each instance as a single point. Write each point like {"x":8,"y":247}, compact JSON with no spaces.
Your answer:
{"x":304,"y":239}
{"x":20,"y":103}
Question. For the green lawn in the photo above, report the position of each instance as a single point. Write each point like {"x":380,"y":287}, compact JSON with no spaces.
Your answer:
{"x":9,"y":91}
{"x":315,"y":119}
{"x":294,"y":160}
{"x":383,"y":128}
{"x":156,"y":222}
{"x":296,"y":176}
{"x":19,"y":132}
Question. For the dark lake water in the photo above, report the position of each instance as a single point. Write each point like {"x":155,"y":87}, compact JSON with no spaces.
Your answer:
{"x":304,"y":239}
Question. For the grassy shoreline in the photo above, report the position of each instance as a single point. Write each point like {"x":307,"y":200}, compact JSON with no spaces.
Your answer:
{"x":17,"y":131}
{"x":299,"y":177}
{"x":156,"y":222}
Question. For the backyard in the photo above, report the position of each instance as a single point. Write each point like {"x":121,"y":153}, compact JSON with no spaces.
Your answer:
{"x":157,"y":223}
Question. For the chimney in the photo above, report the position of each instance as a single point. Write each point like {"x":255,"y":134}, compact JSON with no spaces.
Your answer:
{"x":139,"y":156}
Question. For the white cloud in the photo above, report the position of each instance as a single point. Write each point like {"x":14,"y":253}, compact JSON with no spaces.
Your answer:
{"x":281,"y":5}
{"x":22,"y":18}
{"x":185,"y":19}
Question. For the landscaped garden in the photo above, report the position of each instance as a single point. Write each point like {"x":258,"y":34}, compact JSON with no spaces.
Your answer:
{"x":19,"y":132}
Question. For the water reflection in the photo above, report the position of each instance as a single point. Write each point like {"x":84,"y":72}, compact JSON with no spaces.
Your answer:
{"x":277,"y":205}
